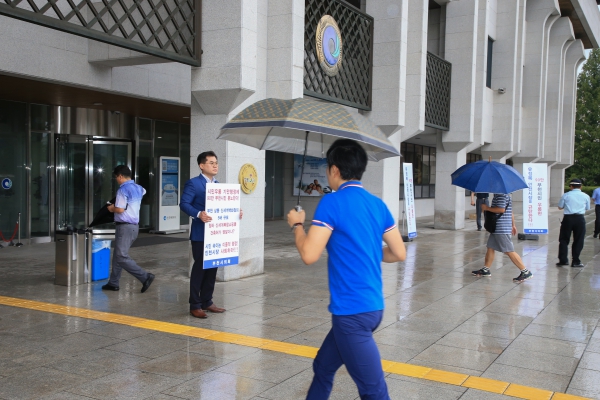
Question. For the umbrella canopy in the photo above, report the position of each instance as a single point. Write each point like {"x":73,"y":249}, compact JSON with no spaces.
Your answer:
{"x":304,"y":126}
{"x":488,"y":177}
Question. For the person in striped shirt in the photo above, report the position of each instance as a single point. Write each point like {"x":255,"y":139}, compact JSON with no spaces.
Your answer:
{"x":500,"y":239}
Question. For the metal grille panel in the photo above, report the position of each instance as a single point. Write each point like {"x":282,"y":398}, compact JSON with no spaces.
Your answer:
{"x":163,"y":28}
{"x":352,"y":85}
{"x":437,"y":92}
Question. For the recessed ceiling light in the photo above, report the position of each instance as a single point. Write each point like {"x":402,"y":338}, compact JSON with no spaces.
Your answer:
{"x":97,"y":104}
{"x":160,"y":137}
{"x":186,"y":117}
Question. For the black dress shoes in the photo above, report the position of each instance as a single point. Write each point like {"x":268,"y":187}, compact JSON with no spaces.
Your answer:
{"x":580,"y":265}
{"x":595,"y":235}
{"x":108,"y":286}
{"x":559,"y":264}
{"x":148,"y":282}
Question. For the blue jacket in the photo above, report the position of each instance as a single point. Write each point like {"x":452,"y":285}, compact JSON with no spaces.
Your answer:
{"x":193,"y":201}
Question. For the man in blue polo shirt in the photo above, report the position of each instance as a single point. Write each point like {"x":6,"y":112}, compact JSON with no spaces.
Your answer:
{"x":574,"y":203}
{"x":596,"y":199}
{"x":351,"y":223}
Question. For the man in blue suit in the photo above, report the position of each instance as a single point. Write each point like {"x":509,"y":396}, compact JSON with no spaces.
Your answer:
{"x":193,"y":203}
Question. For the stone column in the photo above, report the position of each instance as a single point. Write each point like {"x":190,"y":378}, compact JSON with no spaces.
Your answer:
{"x":462,"y":19}
{"x":541,"y":15}
{"x":416,"y":68}
{"x":389,"y":93}
{"x":226,"y":82}
{"x":561,"y":37}
{"x":574,"y":56}
{"x":503,"y":136}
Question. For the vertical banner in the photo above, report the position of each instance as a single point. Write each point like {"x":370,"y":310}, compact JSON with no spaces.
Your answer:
{"x":222,"y":234}
{"x":535,"y":198}
{"x":409,"y":200}
{"x":168,"y":185}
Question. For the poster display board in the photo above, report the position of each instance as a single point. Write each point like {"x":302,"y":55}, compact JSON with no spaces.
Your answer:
{"x":168,"y":184}
{"x":535,"y":199}
{"x":222,"y":234}
{"x":314,"y":178}
{"x":409,"y":200}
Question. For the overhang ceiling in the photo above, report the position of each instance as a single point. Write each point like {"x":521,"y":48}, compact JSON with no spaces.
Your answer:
{"x":41,"y":92}
{"x":567,"y":10}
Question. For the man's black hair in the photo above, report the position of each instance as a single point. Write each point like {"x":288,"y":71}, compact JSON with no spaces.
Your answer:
{"x":203,"y":156}
{"x":349,"y":157}
{"x":122,"y":170}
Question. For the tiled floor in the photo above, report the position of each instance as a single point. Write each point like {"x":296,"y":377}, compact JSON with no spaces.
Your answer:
{"x":542,"y":333}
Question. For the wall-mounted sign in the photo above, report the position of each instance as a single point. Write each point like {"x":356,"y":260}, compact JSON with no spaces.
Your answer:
{"x":535,"y":198}
{"x":248,"y":178}
{"x":222,"y":234}
{"x":329,"y":45}
{"x":6,"y":183}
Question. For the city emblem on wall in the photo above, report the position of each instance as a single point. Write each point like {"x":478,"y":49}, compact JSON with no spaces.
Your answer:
{"x":329,"y":45}
{"x":248,"y":178}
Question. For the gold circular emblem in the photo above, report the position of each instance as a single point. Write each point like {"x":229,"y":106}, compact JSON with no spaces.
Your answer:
{"x":248,"y":178}
{"x":329,"y":45}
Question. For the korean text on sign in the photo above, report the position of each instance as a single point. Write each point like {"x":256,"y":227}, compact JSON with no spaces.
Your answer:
{"x":222,"y":234}
{"x":535,"y":198}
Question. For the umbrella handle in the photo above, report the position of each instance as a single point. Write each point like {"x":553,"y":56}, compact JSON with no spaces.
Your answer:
{"x":298,"y":207}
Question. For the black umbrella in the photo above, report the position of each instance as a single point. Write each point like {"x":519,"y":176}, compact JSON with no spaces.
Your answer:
{"x":103,"y":216}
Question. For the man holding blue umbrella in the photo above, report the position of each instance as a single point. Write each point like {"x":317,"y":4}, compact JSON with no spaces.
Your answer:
{"x":500,"y":239}
{"x":500,"y":179}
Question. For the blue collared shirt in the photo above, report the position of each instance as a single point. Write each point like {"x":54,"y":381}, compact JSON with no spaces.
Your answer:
{"x":596,"y":196}
{"x":354,"y":247}
{"x":209,"y":180}
{"x":574,"y":202}
{"x":129,"y":197}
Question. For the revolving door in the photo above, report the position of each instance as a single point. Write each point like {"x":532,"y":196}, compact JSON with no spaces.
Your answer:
{"x":84,"y":180}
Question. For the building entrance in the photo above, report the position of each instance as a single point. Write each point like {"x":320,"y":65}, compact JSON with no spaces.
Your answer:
{"x":84,"y":180}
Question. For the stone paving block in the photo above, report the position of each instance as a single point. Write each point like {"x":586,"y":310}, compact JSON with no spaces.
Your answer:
{"x":534,"y":360}
{"x":462,"y":358}
{"x":38,"y":382}
{"x":125,"y":384}
{"x":266,"y":366}
{"x":527,"y":377}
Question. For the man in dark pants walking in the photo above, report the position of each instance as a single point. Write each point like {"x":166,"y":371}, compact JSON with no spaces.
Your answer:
{"x":193,"y":203}
{"x":127,"y":217}
{"x":482,"y":198}
{"x":574,"y":203}
{"x":596,"y":199}
{"x":351,"y":223}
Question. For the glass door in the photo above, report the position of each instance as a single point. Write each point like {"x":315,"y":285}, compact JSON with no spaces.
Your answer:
{"x":274,"y":169}
{"x":84,"y":179}
{"x":106,"y":155}
{"x":71,"y":181}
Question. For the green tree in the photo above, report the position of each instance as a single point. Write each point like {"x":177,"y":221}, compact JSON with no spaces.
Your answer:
{"x":587,"y":124}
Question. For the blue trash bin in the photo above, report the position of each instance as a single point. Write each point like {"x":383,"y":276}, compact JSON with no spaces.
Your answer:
{"x":100,"y":259}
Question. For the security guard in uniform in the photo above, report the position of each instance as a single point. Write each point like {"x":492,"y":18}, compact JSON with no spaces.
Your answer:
{"x":575,"y":203}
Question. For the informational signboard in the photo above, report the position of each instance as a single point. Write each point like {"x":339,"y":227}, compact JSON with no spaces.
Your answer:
{"x":535,"y":198}
{"x":222,"y":234}
{"x":314,"y":178}
{"x":409,"y":200}
{"x":168,"y":183}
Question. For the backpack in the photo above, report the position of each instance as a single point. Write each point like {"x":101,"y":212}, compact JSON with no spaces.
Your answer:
{"x":492,"y":218}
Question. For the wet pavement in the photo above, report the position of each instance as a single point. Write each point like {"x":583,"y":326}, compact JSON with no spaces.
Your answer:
{"x":541,"y":333}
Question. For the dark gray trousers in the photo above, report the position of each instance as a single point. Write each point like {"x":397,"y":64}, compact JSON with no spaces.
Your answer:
{"x":124,"y":237}
{"x":478,"y":203}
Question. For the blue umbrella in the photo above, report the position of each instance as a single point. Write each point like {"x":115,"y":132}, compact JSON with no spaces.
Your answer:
{"x":488,"y":177}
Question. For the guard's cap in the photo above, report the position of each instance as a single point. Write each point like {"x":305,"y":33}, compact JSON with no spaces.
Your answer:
{"x":575,"y":182}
